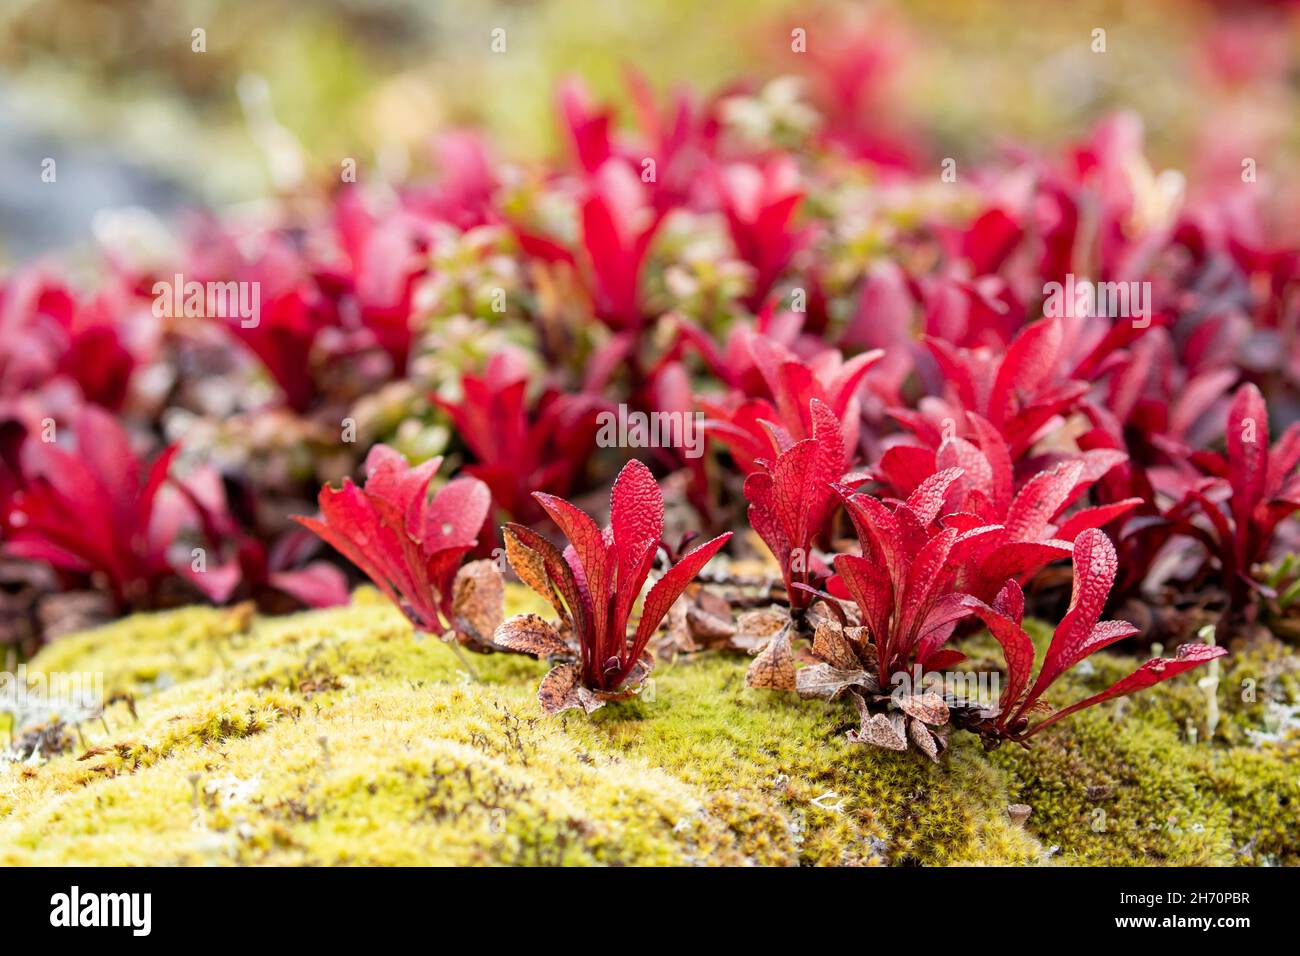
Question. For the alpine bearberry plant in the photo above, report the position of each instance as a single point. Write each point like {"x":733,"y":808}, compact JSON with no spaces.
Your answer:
{"x":1263,"y":488}
{"x":772,"y":263}
{"x":1080,"y":634}
{"x":593,"y":585}
{"x":521,"y":447}
{"x":92,"y":510}
{"x":408,"y":543}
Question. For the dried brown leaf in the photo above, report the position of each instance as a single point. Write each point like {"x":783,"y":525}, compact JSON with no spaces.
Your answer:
{"x":639,"y":672}
{"x":880,"y":730}
{"x":860,"y":704}
{"x":478,"y":601}
{"x":820,"y":612}
{"x":774,"y":668}
{"x":928,"y":707}
{"x":755,"y":628}
{"x":830,"y":645}
{"x":531,"y":569}
{"x":925,"y":741}
{"x":562,"y":689}
{"x":677,"y":633}
{"x":707,"y":626}
{"x":530,"y":634}
{"x":824,"y":682}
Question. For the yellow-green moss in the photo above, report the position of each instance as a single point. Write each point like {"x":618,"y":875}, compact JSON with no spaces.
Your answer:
{"x":339,"y":737}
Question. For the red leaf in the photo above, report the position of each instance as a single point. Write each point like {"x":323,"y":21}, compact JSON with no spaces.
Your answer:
{"x":1248,"y":440}
{"x":1095,"y":564}
{"x":670,"y":587}
{"x":1095,"y":518}
{"x":1151,"y":673}
{"x":1040,"y":500}
{"x":1017,"y":649}
{"x":903,"y":467}
{"x":1028,"y":362}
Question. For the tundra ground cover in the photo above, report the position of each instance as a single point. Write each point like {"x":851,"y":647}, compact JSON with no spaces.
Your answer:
{"x":944,"y":403}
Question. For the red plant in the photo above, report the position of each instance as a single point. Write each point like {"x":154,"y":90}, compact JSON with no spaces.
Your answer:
{"x":1080,"y":634}
{"x":593,"y":585}
{"x":245,"y":563}
{"x":1154,"y":405}
{"x":1036,"y":523}
{"x":409,"y":544}
{"x":518,"y":449}
{"x":676,"y":140}
{"x":760,"y":203}
{"x":791,"y":498}
{"x":756,"y":428}
{"x":290,"y":321}
{"x":46,"y":332}
{"x":91,"y":510}
{"x":372,"y":287}
{"x":618,"y":223}
{"x":905,"y":581}
{"x":1018,"y":391}
{"x":1264,"y":489}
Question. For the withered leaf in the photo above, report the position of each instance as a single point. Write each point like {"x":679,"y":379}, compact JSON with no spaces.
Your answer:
{"x":860,"y":703}
{"x":562,"y":689}
{"x":774,"y":668}
{"x":708,"y":626}
{"x":530,"y":634}
{"x":924,"y":740}
{"x":677,"y":633}
{"x":478,"y":600}
{"x":699,"y":619}
{"x":821,"y":611}
{"x":881,"y":731}
{"x":830,"y":645}
{"x":824,"y":682}
{"x":531,"y":569}
{"x":755,"y":628}
{"x":637,"y":675}
{"x":928,"y":707}
{"x":860,"y":639}
{"x":1019,"y":813}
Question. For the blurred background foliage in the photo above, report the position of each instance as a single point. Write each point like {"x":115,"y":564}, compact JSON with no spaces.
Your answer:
{"x":286,"y":90}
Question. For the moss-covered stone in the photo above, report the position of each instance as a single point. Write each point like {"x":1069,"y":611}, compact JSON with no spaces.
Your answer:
{"x":340,"y":737}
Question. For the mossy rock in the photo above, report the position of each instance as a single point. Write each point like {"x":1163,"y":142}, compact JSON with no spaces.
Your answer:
{"x":340,"y":737}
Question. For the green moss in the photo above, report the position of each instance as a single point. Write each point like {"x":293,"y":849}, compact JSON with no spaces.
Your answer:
{"x":339,"y":737}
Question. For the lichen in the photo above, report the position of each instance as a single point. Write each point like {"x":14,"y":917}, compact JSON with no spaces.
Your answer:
{"x":342,"y":737}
